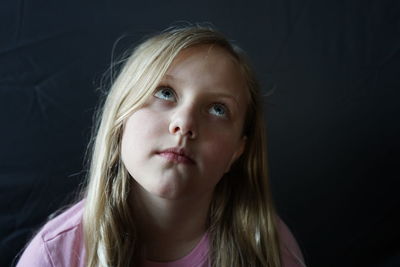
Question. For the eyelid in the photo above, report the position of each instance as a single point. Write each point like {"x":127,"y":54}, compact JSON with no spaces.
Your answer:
{"x":160,"y":87}
{"x":230,"y":103}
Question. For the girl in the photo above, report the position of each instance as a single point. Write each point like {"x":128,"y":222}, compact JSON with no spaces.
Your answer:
{"x":178,"y":174}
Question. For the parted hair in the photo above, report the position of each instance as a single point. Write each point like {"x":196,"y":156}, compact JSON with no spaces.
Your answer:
{"x":241,"y":219}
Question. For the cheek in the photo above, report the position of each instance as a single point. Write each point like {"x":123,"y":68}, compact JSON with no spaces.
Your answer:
{"x":132,"y":133}
{"x":138,"y":134}
{"x":219,"y":154}
{"x":141,"y":124}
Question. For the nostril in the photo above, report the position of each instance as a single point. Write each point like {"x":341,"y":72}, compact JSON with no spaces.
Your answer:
{"x":191,"y":134}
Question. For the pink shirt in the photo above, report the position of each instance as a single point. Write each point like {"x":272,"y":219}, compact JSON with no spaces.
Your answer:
{"x":197,"y":257}
{"x":60,"y":243}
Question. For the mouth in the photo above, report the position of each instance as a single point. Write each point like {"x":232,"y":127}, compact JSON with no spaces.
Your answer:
{"x":177,"y":155}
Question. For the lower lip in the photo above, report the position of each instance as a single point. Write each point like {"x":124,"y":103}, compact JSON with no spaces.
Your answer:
{"x":176,"y":158}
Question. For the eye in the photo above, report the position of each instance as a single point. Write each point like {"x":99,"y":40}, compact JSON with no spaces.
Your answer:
{"x":165,"y":93}
{"x":219,"y":110}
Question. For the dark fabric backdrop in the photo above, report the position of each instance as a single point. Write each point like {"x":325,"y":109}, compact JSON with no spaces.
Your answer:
{"x":331,"y":72}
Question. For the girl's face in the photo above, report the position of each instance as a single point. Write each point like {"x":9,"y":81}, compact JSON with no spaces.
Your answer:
{"x":189,"y":132}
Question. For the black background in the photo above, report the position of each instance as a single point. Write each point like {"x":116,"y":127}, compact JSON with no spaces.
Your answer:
{"x":330,"y":72}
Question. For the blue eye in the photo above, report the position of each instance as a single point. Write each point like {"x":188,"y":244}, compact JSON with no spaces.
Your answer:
{"x":219,"y":110}
{"x":165,"y":93}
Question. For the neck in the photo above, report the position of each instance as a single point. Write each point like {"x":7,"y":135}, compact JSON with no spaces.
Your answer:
{"x":170,"y":228}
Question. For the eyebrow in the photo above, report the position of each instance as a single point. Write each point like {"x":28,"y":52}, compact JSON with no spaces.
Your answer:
{"x":223,"y":95}
{"x":168,"y":77}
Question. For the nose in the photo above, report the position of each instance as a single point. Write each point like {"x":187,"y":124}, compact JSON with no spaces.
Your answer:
{"x":183,"y":122}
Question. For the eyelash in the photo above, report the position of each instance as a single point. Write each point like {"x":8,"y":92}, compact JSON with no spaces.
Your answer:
{"x":162,"y":89}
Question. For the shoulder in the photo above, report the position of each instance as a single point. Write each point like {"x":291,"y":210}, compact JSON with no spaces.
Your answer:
{"x":290,"y":251}
{"x":59,"y":242}
{"x":65,"y":223}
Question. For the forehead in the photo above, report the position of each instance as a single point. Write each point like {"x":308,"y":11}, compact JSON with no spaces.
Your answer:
{"x":210,"y":66}
{"x":209,"y":55}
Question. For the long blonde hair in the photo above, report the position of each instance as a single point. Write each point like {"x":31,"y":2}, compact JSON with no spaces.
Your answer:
{"x":241,"y":221}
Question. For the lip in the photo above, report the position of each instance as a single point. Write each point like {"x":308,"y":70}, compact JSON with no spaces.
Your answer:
{"x":176,"y":154}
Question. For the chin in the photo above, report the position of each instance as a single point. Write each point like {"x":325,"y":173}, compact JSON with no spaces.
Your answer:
{"x":169,"y":191}
{"x":167,"y":195}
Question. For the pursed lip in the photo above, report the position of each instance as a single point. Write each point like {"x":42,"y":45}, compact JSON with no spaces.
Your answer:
{"x":176,"y":154}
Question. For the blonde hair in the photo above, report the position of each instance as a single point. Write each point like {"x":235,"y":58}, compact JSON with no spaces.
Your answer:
{"x":241,"y":219}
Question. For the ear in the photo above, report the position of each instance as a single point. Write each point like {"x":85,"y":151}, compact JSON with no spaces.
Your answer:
{"x":239,"y":151}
